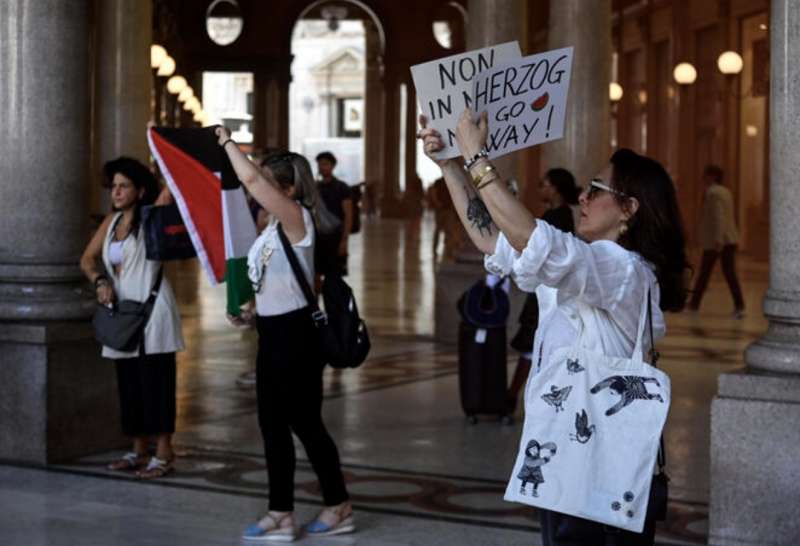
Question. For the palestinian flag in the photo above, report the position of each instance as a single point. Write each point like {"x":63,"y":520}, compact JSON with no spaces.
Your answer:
{"x":212,"y":203}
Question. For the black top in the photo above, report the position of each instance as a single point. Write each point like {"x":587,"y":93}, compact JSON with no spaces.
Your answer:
{"x":560,"y":218}
{"x":333,"y":193}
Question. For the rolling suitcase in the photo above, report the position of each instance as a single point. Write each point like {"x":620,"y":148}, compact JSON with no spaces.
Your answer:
{"x":482,"y":371}
{"x":482,"y":350}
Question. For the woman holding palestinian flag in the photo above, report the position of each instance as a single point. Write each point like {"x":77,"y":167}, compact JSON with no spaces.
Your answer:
{"x":289,"y":363}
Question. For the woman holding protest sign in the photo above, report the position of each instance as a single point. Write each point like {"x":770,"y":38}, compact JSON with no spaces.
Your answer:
{"x":593,"y":289}
{"x":289,"y":364}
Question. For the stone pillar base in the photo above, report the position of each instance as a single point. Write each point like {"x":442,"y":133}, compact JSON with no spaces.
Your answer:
{"x":58,"y":397}
{"x":755,"y":441}
{"x":452,"y":280}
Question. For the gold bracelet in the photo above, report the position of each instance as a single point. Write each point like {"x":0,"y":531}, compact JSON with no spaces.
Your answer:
{"x":484,"y":184}
{"x":483,"y":171}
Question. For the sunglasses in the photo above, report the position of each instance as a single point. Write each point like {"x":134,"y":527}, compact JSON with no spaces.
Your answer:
{"x":276,"y":159}
{"x":596,"y":186}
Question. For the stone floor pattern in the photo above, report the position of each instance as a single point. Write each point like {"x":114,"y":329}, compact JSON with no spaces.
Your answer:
{"x":418,"y":473}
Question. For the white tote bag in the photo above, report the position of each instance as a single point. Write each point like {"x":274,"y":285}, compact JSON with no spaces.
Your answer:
{"x":591,"y":435}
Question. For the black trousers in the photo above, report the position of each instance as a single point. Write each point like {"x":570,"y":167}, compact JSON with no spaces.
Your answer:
{"x":289,"y":386}
{"x":563,"y":530}
{"x":728,"y":255}
{"x":147,"y":394}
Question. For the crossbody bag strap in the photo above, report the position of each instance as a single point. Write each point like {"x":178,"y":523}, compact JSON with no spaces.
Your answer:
{"x":150,"y":304}
{"x":317,"y":314}
{"x":156,"y":286}
{"x":654,"y":356}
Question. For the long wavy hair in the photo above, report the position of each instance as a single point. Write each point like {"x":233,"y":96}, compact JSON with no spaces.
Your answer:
{"x":293,"y":170}
{"x":140,"y":175}
{"x":656,"y":230}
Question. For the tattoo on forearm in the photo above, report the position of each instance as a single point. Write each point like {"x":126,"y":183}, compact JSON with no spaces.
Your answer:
{"x":478,"y":215}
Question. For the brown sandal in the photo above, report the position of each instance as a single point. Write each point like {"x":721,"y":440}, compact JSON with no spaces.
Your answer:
{"x":129,"y":461}
{"x":156,"y":468}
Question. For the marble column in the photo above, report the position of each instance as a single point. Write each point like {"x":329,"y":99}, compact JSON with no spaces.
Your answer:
{"x":122,"y":85}
{"x":389,"y":195}
{"x":586,"y":26}
{"x":56,"y":395}
{"x":413,"y":195}
{"x":374,"y":106}
{"x":490,"y":22}
{"x":271,"y":115}
{"x":755,"y":439}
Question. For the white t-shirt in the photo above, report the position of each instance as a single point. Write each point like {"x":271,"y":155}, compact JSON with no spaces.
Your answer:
{"x":279,"y":292}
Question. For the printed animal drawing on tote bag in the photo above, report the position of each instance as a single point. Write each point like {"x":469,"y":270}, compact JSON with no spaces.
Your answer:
{"x":630,"y":388}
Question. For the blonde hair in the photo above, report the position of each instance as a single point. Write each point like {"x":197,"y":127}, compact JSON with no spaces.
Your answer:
{"x":291,"y":170}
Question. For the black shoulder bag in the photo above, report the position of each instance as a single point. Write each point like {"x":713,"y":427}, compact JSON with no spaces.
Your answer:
{"x":121,"y":326}
{"x":343,"y":335}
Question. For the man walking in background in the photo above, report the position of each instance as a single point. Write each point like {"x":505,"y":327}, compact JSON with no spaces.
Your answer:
{"x":331,"y":253}
{"x":718,"y":236}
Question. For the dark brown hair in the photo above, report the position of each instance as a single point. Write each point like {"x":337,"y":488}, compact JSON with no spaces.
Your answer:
{"x":564,"y":183}
{"x":656,"y":230}
{"x":715,"y":172}
{"x":138,"y":173}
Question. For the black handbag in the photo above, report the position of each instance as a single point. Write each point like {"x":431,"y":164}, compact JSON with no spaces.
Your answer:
{"x":343,"y":335}
{"x":659,"y":489}
{"x":121,"y":326}
{"x":165,"y":235}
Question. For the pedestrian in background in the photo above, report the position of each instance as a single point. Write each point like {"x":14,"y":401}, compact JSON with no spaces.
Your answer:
{"x":331,"y":254}
{"x":718,"y":238}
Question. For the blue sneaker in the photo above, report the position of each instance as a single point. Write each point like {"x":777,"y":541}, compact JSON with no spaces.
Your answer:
{"x":272,"y":529}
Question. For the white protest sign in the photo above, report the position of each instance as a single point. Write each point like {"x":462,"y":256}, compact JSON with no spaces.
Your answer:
{"x":526,"y":100}
{"x":444,"y":87}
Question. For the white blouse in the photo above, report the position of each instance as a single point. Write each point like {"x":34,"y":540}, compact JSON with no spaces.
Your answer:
{"x":598,"y":285}
{"x":268,"y":268}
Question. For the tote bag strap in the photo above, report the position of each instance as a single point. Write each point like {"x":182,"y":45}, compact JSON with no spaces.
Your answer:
{"x":644,"y":312}
{"x":654,"y":356}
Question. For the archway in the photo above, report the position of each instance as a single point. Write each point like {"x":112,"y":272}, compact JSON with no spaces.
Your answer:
{"x":336,"y":98}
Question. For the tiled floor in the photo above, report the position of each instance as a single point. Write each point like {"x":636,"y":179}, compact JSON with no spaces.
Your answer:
{"x":417,"y":471}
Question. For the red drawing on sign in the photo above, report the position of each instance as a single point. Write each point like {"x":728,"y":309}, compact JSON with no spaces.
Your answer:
{"x":540,"y":103}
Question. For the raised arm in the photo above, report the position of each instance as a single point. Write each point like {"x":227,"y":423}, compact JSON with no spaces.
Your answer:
{"x":164,"y":197}
{"x":509,"y":214}
{"x":471,"y":210}
{"x":264,"y":190}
